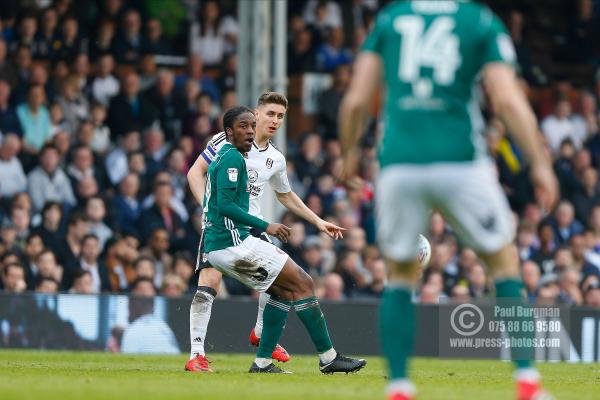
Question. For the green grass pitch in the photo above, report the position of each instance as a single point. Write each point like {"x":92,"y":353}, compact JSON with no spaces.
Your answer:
{"x":65,"y":376}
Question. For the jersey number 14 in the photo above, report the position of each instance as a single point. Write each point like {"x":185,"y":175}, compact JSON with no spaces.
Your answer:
{"x":436,"y":48}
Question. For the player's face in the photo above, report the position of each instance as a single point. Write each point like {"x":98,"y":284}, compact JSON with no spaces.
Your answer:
{"x":244,"y":129}
{"x":269,"y":118}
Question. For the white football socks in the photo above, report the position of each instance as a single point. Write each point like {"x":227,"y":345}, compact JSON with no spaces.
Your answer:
{"x":199,"y":317}
{"x":328,"y":356}
{"x":262,"y":302}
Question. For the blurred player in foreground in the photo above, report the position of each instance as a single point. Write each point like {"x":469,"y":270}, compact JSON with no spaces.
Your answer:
{"x":265,"y":164}
{"x":430,"y":55}
{"x":257,"y":263}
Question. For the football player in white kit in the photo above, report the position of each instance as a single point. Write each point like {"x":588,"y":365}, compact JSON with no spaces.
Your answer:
{"x":265,"y":164}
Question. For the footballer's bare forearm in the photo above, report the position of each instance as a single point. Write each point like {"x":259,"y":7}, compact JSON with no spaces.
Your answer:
{"x":354,"y":107}
{"x":196,"y":178}
{"x":292,"y":202}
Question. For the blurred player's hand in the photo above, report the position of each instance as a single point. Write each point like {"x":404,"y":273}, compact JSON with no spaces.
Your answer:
{"x":331,"y":230}
{"x":350,"y":165}
{"x":280,"y":231}
{"x":546,"y":186}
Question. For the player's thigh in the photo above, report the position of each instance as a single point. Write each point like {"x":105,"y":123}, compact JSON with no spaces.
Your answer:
{"x":402,"y":210}
{"x":254,"y":262}
{"x":295,"y":280}
{"x":471,"y":199}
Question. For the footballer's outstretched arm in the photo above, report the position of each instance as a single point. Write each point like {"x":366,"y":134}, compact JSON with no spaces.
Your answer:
{"x":353,"y":110}
{"x":510,"y":103}
{"x":196,"y":178}
{"x":292,"y":202}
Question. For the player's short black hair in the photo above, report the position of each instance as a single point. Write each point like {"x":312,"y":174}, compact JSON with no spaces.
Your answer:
{"x":230,"y":115}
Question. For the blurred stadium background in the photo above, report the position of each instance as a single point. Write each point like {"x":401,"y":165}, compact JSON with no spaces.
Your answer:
{"x":102,"y":99}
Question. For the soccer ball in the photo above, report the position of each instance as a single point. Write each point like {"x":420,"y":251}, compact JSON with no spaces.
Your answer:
{"x":424,"y":253}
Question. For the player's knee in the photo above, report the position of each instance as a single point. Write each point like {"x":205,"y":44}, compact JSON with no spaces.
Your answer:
{"x":306,"y":285}
{"x":210,"y":277}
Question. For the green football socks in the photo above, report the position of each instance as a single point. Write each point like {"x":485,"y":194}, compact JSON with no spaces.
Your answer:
{"x":510,"y":288}
{"x":397,"y":329}
{"x":310,"y":314}
{"x":274,"y":318}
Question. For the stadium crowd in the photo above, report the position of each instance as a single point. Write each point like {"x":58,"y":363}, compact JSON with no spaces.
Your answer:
{"x":98,"y":131}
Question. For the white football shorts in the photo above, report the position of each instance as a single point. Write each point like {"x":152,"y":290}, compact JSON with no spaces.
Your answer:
{"x":254,"y":262}
{"x":468,"y":195}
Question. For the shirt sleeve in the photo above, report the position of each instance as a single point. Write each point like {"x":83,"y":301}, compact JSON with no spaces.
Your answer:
{"x":279,"y":180}
{"x":497,"y":44}
{"x":229,"y":170}
{"x":212,"y":148}
{"x":374,"y":40}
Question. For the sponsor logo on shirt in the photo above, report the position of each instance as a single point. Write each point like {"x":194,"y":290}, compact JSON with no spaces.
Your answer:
{"x":252,"y":175}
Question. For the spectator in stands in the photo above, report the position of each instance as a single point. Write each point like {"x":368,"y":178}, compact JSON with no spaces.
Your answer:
{"x":329,"y":102}
{"x":155,"y":42}
{"x":8,"y":70}
{"x":587,"y":195}
{"x":214,"y":35}
{"x":69,"y":248}
{"x":47,"y":35}
{"x":588,"y":117}
{"x":311,"y":256}
{"x":52,"y":214}
{"x":48,"y":182}
{"x":82,"y":283}
{"x":73,"y":103}
{"x":103,"y":40}
{"x":170,"y":106}
{"x":429,"y":294}
{"x":129,"y":44}
{"x":530,"y":273}
{"x":333,"y":53}
{"x":95,"y":210}
{"x":148,"y":72}
{"x":90,"y":262}
{"x":21,"y":218}
{"x":9,"y":121}
{"x":34,"y":245}
{"x":378,"y":280}
{"x":569,"y":287}
{"x":293,"y":247}
{"x":12,"y":176}
{"x":116,"y":163}
{"x":323,"y":16}
{"x":516,"y":24}
{"x":27,"y":31}
{"x":301,"y":55}
{"x":47,"y":267}
{"x":129,"y":110}
{"x":172,"y":286}
{"x":592,"y":295}
{"x":83,"y":166}
{"x":564,"y":223}
{"x":125,"y":204}
{"x":100,"y":142}
{"x":195,"y":71}
{"x":309,"y":162}
{"x":145,"y":268}
{"x":105,"y":86}
{"x":560,"y":126}
{"x":143,"y":287}
{"x":35,"y":119}
{"x":333,"y":287}
{"x":70,"y":43}
{"x":184,"y":267}
{"x":348,"y":268}
{"x":120,"y":256}
{"x":47,"y":286}
{"x":157,"y":251}
{"x":227,"y":79}
{"x":13,"y":278}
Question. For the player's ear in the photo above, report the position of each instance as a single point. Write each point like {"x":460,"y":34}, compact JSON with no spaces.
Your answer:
{"x":255,"y":111}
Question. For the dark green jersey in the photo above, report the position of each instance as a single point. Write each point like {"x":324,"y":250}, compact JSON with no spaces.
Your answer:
{"x":433,"y":53}
{"x":226,"y":201}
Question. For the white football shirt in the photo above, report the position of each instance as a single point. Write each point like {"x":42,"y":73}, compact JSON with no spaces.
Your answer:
{"x":263,"y":165}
